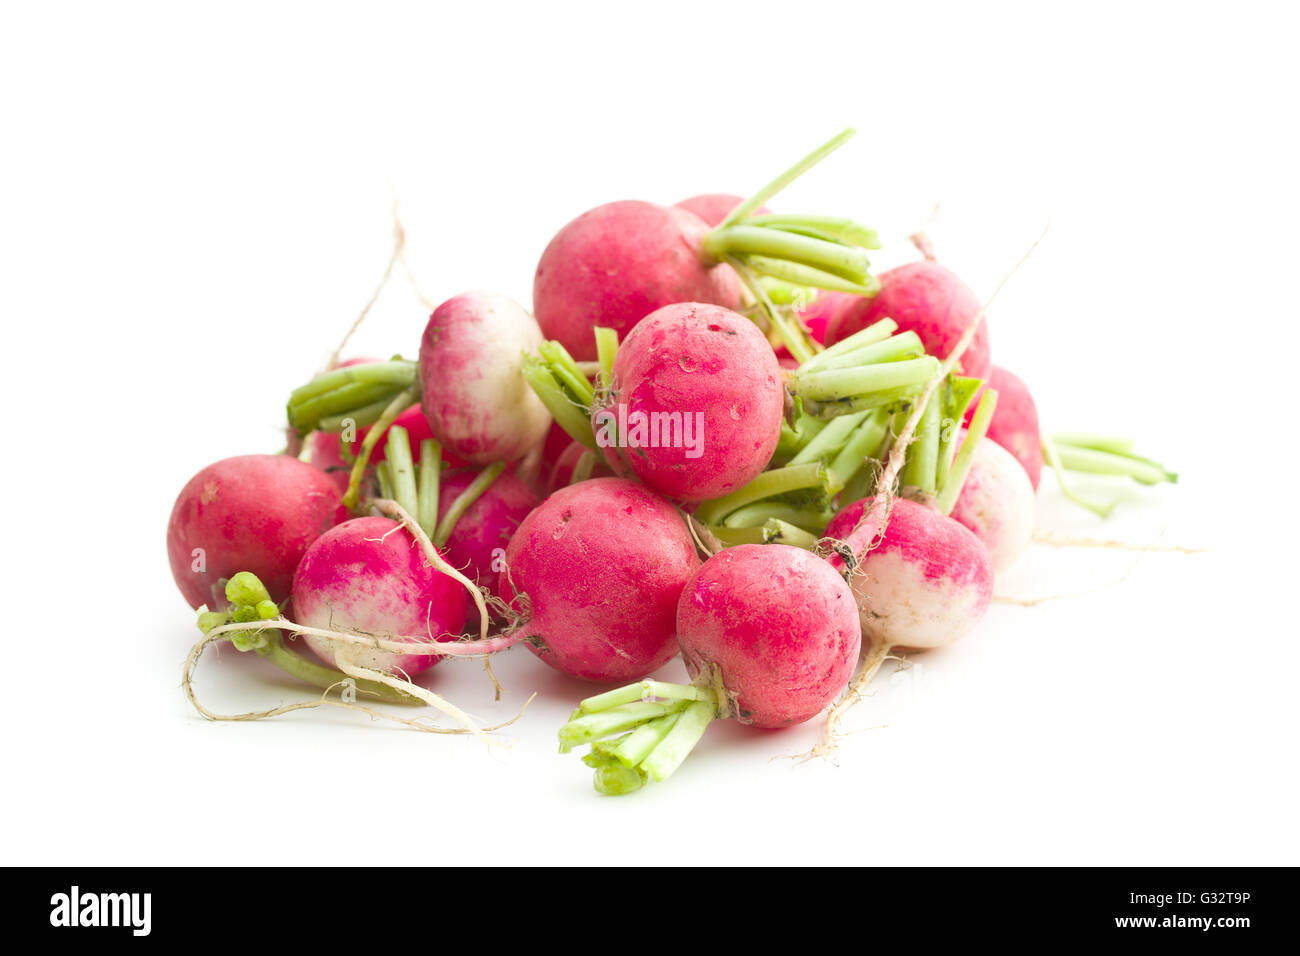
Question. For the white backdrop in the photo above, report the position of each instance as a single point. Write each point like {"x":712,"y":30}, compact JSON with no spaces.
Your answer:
{"x":195,"y":204}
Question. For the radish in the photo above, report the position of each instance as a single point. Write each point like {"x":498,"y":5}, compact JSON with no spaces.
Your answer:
{"x":468,"y":381}
{"x":369,"y":575}
{"x":578,"y":463}
{"x":713,"y":208}
{"x":325,"y":448}
{"x":594,"y":573}
{"x":617,"y":263}
{"x":1015,"y":423}
{"x":926,"y":584}
{"x":695,"y":402}
{"x":926,"y":298}
{"x":255,"y":513}
{"x":478,"y":534}
{"x":996,"y":503}
{"x":770,"y":634}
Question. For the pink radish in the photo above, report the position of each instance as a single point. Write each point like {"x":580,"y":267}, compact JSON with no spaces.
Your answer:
{"x":476,"y":543}
{"x":928,"y":299}
{"x":996,"y":503}
{"x":695,"y":404}
{"x":769,"y":632}
{"x":926,"y":584}
{"x":578,"y":463}
{"x":1015,"y":422}
{"x":595,"y":572}
{"x":255,"y":513}
{"x":617,"y":263}
{"x":370,"y":575}
{"x":474,"y":395}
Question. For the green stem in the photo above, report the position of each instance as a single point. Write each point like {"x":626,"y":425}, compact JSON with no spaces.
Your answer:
{"x":606,"y":350}
{"x":864,"y":443}
{"x":979,"y":425}
{"x":847,"y":406}
{"x":616,"y":720}
{"x":957,"y":394}
{"x":1094,"y":461}
{"x":309,"y":414}
{"x":1054,"y":460}
{"x":845,"y":383}
{"x":768,"y":484}
{"x":730,"y":537}
{"x":776,"y":531}
{"x":905,"y":345}
{"x":795,"y":340}
{"x":401,"y":403}
{"x":430,"y":486}
{"x":873,"y":333}
{"x":680,"y":740}
{"x":836,"y":228}
{"x":574,"y":419}
{"x":384,"y":475}
{"x":402,"y":469}
{"x":800,"y":274}
{"x":642,"y":690}
{"x":1120,"y":446}
{"x":637,"y":745}
{"x":565,"y":369}
{"x":921,"y":469}
{"x":830,"y":439}
{"x":323,"y":677}
{"x":759,"y":198}
{"x":759,"y":513}
{"x":464,"y":500}
{"x":846,"y":262}
{"x":398,"y":374}
{"x":358,"y":417}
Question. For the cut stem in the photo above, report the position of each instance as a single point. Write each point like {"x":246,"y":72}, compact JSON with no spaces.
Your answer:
{"x":768,"y":484}
{"x":464,"y":500}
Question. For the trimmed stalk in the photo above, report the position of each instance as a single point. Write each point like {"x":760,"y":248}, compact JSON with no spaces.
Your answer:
{"x":768,"y":484}
{"x":463,"y":501}
{"x":957,"y":394}
{"x":837,"y":384}
{"x":606,"y":351}
{"x":862,"y":445}
{"x":921,"y":470}
{"x":399,"y":404}
{"x":979,"y":426}
{"x":873,"y":333}
{"x":829,"y":440}
{"x":430,"y":486}
{"x":1095,"y":461}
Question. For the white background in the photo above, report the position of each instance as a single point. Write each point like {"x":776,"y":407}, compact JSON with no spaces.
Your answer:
{"x":196,"y":205}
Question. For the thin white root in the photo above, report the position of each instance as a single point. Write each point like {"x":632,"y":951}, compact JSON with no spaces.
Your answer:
{"x":1069,"y":541}
{"x":353,"y":669}
{"x":420,"y":724}
{"x":399,"y":245}
{"x":399,"y":514}
{"x":829,"y":744}
{"x":400,"y":644}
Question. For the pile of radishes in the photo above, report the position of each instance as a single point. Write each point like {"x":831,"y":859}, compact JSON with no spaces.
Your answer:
{"x":717,"y":435}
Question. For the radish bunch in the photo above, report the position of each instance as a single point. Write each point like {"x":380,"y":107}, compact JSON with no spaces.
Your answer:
{"x":717,"y":437}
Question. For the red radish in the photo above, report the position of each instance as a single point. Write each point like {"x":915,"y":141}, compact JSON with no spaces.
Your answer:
{"x":780,"y":626}
{"x":255,"y":513}
{"x":715,"y":207}
{"x":927,"y":583}
{"x":617,"y":263}
{"x":997,"y":503}
{"x":695,"y":402}
{"x":572,"y":466}
{"x":596,"y":571}
{"x":370,"y":575}
{"x":476,"y":545}
{"x":928,"y":299}
{"x":769,"y":632}
{"x":1015,"y":422}
{"x":474,"y":394}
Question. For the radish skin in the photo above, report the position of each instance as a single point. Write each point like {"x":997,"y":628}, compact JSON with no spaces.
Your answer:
{"x":1015,"y":422}
{"x":922,"y":297}
{"x":479,"y":538}
{"x":715,"y":371}
{"x":780,"y":626}
{"x":596,"y":571}
{"x":475,"y":397}
{"x":617,"y":263}
{"x":370,"y":575}
{"x":926,"y":584}
{"x":255,"y":513}
{"x":996,"y":504}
